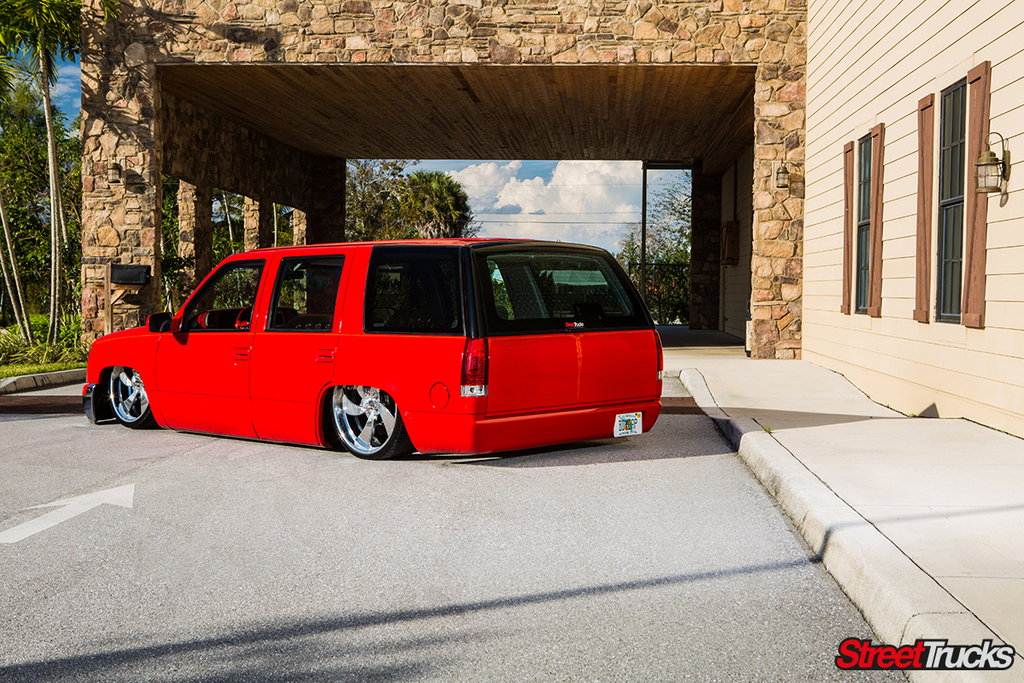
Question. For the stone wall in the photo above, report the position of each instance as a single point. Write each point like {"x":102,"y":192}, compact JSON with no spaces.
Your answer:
{"x":122,"y":101}
{"x":120,"y":217}
{"x":778,"y":228}
{"x":496,"y":31}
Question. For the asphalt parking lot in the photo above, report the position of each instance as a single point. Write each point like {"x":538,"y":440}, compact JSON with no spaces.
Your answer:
{"x":656,"y":558}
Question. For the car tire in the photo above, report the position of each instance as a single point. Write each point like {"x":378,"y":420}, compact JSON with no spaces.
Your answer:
{"x":128,"y":398}
{"x":368,"y":423}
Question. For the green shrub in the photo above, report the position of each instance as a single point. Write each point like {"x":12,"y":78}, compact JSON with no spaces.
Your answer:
{"x":67,"y":349}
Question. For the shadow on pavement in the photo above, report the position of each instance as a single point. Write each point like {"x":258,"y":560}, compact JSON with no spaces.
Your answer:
{"x":775,"y":420}
{"x":673,"y":437}
{"x":40,"y":405}
{"x":280,"y":655}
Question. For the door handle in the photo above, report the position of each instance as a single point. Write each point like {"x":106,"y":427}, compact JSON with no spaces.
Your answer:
{"x":241,"y":353}
{"x":325,"y":356}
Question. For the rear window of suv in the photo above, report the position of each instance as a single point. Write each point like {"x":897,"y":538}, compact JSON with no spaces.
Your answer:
{"x":529,"y":292}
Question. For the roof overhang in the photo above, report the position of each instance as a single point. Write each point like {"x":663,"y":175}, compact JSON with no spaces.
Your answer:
{"x":682,"y":113}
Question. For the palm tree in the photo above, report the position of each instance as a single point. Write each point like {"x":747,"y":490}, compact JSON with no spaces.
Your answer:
{"x":44,"y":29}
{"x":440,"y":205}
{"x":14,"y":291}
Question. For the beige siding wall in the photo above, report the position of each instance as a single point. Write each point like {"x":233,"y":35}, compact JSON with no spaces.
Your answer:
{"x":871,"y":63}
{"x":738,"y":184}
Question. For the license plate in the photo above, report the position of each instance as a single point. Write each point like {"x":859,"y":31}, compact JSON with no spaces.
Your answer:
{"x":628,"y":424}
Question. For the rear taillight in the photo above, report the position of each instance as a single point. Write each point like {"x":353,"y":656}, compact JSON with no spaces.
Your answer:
{"x":661,"y":356}
{"x":474,"y":368}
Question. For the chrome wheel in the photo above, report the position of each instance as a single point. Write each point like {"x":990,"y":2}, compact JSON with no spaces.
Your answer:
{"x":128,"y":398}
{"x":368,"y":423}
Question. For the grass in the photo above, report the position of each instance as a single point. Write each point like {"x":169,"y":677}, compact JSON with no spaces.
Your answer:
{"x":16,"y":370}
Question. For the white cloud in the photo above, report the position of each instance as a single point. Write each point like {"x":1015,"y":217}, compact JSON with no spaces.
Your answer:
{"x":484,"y":182}
{"x":592,"y":202}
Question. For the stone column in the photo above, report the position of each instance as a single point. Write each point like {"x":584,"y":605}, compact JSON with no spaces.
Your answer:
{"x":298,"y":227}
{"x":121,"y":210}
{"x":778,"y":229}
{"x":325,"y":213}
{"x":705,"y":250}
{"x":259,"y":224}
{"x":195,"y":235}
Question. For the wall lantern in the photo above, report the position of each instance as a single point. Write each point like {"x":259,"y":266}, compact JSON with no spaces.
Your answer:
{"x":992,"y":171}
{"x":114,"y":172}
{"x":782,"y":176}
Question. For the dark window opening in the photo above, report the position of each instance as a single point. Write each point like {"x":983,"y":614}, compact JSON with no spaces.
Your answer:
{"x":226,"y":301}
{"x":306,"y":294}
{"x":952,"y":179}
{"x":863,"y":224}
{"x":415,"y":291}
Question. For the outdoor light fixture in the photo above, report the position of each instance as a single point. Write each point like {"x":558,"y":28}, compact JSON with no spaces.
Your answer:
{"x":114,"y":172}
{"x":992,"y":171}
{"x":782,"y":176}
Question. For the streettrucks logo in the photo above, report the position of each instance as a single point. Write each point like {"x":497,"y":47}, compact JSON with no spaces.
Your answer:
{"x":924,"y":655}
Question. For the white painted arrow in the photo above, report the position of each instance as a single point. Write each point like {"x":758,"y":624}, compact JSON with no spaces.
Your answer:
{"x":70,"y":507}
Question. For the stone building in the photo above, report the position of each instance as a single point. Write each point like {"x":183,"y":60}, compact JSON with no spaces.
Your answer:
{"x":268,"y":99}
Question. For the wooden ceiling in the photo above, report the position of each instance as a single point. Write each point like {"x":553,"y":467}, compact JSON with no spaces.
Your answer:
{"x":603,"y":112}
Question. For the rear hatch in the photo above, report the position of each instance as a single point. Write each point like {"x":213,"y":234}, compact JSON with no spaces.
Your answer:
{"x":565,"y":328}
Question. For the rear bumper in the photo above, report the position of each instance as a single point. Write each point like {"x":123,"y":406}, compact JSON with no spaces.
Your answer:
{"x":451,"y":433}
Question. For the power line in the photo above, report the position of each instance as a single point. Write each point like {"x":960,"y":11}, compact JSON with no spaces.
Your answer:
{"x":518,"y":222}
{"x":563,"y":213}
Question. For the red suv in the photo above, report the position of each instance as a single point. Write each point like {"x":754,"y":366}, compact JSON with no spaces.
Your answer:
{"x":440,"y":346}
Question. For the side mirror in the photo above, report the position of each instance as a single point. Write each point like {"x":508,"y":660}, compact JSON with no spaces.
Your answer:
{"x":159,"y":322}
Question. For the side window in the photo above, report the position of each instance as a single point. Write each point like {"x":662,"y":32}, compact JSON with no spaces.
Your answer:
{"x":306,"y":294}
{"x":415,"y":291}
{"x":226,"y":301}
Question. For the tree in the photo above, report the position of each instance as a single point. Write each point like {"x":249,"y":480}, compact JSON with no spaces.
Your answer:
{"x":44,"y":29}
{"x":24,"y":183}
{"x":667,"y":253}
{"x":440,"y":206}
{"x":374,"y":209}
{"x":385,"y":203}
{"x":12,"y":277}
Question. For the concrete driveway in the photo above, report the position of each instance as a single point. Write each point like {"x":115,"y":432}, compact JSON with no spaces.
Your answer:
{"x":656,"y":558}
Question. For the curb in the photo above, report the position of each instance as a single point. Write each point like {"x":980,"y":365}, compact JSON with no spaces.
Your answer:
{"x":899,"y":600}
{"x":11,"y":385}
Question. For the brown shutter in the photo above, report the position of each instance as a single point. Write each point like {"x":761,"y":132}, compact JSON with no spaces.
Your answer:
{"x":877,"y":183}
{"x":925,"y":179}
{"x":976,"y":205}
{"x":848,"y":225}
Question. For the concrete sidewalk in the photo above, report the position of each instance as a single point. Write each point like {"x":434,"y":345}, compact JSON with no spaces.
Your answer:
{"x":921,"y":521}
{"x":12,"y":385}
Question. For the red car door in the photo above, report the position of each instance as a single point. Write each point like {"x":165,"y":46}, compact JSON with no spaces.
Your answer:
{"x":294,"y":347}
{"x":202,"y":369}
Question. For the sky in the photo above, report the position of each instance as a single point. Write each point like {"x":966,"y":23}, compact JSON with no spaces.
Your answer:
{"x":67,"y":94}
{"x":591,"y":202}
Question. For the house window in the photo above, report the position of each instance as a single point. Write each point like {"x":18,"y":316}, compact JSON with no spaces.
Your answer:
{"x":952,"y":144}
{"x":863,"y":277}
